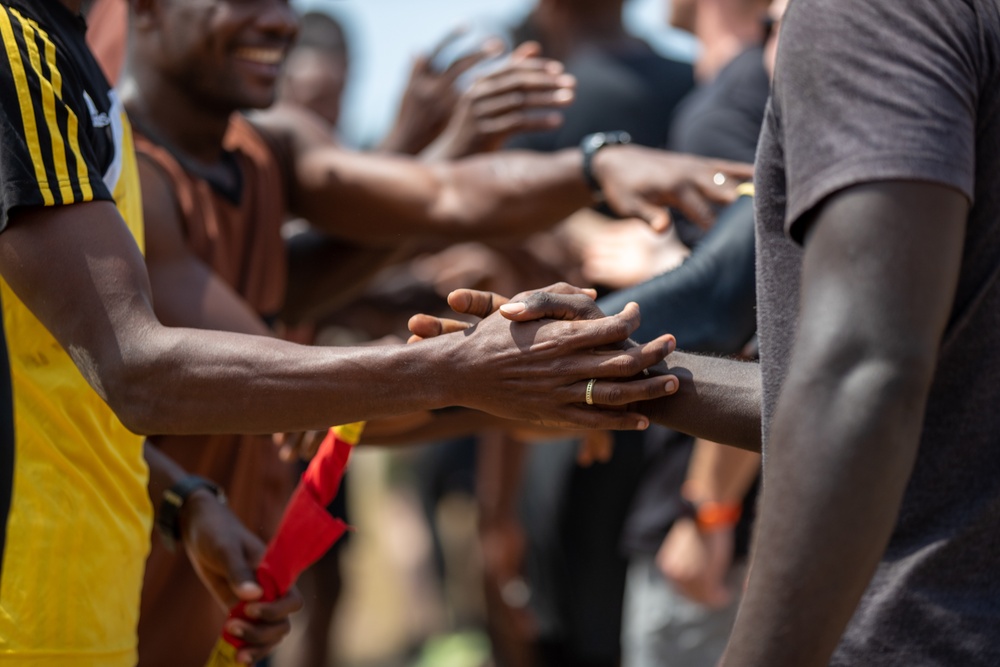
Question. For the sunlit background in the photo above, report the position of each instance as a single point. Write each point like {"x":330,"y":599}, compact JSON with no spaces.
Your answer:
{"x":386,"y":34}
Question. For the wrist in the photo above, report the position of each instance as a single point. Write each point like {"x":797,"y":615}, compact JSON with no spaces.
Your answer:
{"x":594,"y":158}
{"x":708,"y":514}
{"x":182,"y":500}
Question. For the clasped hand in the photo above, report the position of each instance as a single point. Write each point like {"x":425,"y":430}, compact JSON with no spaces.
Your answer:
{"x":541,"y":365}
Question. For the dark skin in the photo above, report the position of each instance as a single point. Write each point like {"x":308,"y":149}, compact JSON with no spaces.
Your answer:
{"x":225,"y":554}
{"x":878,"y":280}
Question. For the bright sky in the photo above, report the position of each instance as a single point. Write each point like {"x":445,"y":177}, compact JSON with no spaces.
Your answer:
{"x":386,"y":35}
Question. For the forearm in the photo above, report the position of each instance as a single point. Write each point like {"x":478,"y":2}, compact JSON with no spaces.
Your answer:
{"x":839,"y":459}
{"x":719,"y":473}
{"x":216,"y":382}
{"x":718,"y":399}
{"x":382,"y":199}
{"x":709,"y":302}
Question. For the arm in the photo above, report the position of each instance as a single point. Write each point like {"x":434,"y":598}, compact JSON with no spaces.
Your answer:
{"x":382,"y":199}
{"x":879,"y":274}
{"x":709,"y":302}
{"x":698,"y":557}
{"x":224,"y":554}
{"x":718,"y":399}
{"x":172,"y":380}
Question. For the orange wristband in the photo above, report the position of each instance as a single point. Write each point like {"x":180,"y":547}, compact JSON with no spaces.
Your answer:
{"x":712,"y":516}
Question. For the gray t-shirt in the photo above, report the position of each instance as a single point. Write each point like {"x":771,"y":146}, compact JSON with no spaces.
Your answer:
{"x":872,"y":90}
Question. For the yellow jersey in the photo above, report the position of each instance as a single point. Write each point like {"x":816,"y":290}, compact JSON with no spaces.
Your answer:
{"x":74,"y":510}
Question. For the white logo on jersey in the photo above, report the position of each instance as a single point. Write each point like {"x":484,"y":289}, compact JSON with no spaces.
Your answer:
{"x":97,"y":118}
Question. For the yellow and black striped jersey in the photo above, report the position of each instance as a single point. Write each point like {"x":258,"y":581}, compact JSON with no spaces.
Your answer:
{"x":74,"y":511}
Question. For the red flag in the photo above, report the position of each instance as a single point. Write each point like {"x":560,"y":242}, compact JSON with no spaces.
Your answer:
{"x":307,"y":530}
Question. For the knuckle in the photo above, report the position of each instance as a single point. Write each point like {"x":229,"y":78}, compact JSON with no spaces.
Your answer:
{"x":614,"y":393}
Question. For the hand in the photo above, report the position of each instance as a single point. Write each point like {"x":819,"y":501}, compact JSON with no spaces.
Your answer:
{"x":539,"y":371}
{"x":302,"y":445}
{"x":522,"y":95}
{"x":482,"y":304}
{"x":639,"y":182}
{"x":225,"y":555}
{"x":430,"y":97}
{"x":624,"y":253}
{"x":697,"y":562}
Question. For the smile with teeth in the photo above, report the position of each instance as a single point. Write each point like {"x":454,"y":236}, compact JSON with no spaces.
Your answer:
{"x":260,"y":55}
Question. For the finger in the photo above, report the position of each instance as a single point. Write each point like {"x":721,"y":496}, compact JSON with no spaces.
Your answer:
{"x":500,"y":113}
{"x":623,"y":364}
{"x":525,"y":50}
{"x":634,"y":206}
{"x":610,"y":393}
{"x":591,"y":417}
{"x":293,"y":446}
{"x":516,"y":123}
{"x":553,"y":305}
{"x":310,"y":444}
{"x":275,"y":610}
{"x":735,"y":171}
{"x":696,"y":206}
{"x":560,"y":287}
{"x":513,"y":88}
{"x":240,"y":573}
{"x":445,"y":42}
{"x":467,"y":62}
{"x":428,"y":326}
{"x":475,"y":302}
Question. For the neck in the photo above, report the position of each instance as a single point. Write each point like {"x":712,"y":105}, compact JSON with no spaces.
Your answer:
{"x":173,"y":115}
{"x":564,"y":32}
{"x":724,"y":34}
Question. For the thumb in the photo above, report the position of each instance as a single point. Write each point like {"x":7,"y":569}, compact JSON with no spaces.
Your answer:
{"x":635,"y":206}
{"x":546,"y":305}
{"x":240,"y":575}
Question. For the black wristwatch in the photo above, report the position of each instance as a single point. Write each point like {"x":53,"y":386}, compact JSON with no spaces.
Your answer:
{"x":168,"y":519}
{"x":592,"y":143}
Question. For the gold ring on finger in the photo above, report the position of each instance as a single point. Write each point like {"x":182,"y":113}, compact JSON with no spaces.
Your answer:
{"x":590,"y":391}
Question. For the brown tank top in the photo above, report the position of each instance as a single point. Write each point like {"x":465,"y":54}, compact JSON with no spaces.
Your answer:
{"x":238,"y":236}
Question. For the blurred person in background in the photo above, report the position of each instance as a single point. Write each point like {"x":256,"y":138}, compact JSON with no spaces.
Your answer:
{"x":878,"y":270}
{"x":201,"y":187}
{"x":687,"y":533}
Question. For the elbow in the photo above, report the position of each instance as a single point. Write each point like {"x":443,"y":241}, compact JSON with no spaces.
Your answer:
{"x":133,"y":390}
{"x":884,"y":377}
{"x":134,"y":402}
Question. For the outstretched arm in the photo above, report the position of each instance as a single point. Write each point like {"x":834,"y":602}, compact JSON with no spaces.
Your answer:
{"x":165,"y":380}
{"x":878,"y":279}
{"x":718,"y":399}
{"x":381,"y":199}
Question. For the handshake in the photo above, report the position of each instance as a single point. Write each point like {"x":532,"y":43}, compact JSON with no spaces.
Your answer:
{"x":553,"y":358}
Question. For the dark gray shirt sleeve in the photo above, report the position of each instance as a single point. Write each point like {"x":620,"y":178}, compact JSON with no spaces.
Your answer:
{"x":876,"y":105}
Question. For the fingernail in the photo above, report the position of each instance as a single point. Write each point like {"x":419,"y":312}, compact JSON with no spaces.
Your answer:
{"x":244,"y":659}
{"x":642,"y":425}
{"x":670,"y":386}
{"x":252,"y":611}
{"x":563,"y":95}
{"x":513,"y":308}
{"x":235,"y":629}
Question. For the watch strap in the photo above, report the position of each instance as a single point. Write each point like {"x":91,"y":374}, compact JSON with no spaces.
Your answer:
{"x":168,"y":518}
{"x":590,"y":145}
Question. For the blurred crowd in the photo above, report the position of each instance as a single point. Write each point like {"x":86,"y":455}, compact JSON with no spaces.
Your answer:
{"x":583,"y":553}
{"x":562,"y":151}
